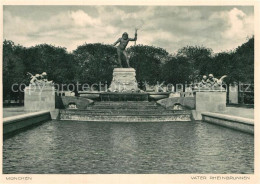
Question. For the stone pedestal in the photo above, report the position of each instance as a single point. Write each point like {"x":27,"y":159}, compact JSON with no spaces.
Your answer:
{"x":211,"y":101}
{"x":124,"y":80}
{"x":39,"y":97}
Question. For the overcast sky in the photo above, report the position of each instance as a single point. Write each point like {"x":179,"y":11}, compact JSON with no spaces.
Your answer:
{"x":170,"y":27}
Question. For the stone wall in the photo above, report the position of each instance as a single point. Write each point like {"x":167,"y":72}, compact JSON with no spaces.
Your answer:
{"x":62,"y":102}
{"x":233,"y":122}
{"x":212,"y":101}
{"x":14,"y":123}
{"x":168,"y":103}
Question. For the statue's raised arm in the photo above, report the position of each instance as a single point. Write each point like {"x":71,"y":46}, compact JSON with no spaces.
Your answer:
{"x":135,"y":38}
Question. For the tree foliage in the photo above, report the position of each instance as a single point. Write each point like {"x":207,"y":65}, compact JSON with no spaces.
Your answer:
{"x":148,"y":61}
{"x":13,"y":68}
{"x":55,"y":61}
{"x":197,"y":58}
{"x":94,"y":63}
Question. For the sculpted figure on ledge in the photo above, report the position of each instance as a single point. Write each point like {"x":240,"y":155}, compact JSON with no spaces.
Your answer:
{"x":39,"y":79}
{"x":121,"y":49}
{"x":209,"y":83}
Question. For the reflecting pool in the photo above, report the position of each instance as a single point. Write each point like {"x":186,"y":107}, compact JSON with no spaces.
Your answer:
{"x":89,"y":147}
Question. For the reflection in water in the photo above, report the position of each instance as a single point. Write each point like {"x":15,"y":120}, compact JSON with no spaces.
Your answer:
{"x":89,"y":147}
{"x":124,"y":150}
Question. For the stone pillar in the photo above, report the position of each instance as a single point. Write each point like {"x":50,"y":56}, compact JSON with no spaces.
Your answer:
{"x":233,"y":94}
{"x":124,"y":80}
{"x":39,"y":97}
{"x":211,"y":101}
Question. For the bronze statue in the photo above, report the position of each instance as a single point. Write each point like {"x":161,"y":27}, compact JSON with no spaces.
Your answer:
{"x":121,"y":48}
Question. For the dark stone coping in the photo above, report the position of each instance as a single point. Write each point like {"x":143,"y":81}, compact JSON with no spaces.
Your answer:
{"x":122,"y":93}
{"x":123,"y":96}
{"x":158,"y":93}
{"x":89,"y":92}
{"x":210,"y":90}
{"x":112,"y":93}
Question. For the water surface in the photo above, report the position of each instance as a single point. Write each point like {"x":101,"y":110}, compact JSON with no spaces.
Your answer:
{"x":80,"y":147}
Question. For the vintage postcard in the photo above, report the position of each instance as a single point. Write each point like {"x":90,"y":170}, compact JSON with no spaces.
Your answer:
{"x":130,"y":92}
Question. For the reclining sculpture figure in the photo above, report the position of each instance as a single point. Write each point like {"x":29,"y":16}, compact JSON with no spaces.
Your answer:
{"x":211,"y":83}
{"x":39,"y":79}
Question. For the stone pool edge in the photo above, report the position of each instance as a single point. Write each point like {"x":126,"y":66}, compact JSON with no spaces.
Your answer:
{"x":233,"y":122}
{"x":14,"y":123}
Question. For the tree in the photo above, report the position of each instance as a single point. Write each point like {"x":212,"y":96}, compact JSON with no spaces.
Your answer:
{"x":176,"y":70}
{"x":55,"y":61}
{"x":243,"y":62}
{"x":222,"y":65}
{"x":95,"y":63}
{"x":13,"y":69}
{"x":199,"y":59}
{"x":148,"y":61}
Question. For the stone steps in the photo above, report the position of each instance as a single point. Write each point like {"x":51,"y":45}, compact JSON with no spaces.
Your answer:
{"x":128,"y":118}
{"x":128,"y":105}
{"x":124,"y":107}
{"x":137,"y":111}
{"x":125,"y":103}
{"x":124,"y":112}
